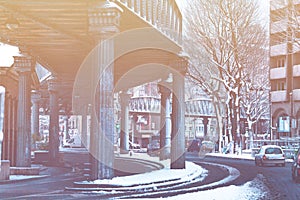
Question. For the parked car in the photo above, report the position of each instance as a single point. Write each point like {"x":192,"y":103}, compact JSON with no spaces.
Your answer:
{"x":207,"y":147}
{"x":193,"y":145}
{"x":296,"y":167}
{"x":153,"y":148}
{"x":135,"y":147}
{"x":270,"y":155}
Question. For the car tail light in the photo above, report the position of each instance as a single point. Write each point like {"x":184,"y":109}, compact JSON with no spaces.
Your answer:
{"x":264,"y":157}
{"x":298,"y":160}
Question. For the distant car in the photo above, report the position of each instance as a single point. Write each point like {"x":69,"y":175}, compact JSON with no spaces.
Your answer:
{"x":207,"y":147}
{"x":296,"y":167}
{"x":135,"y":147}
{"x":270,"y":155}
{"x":153,"y":148}
{"x":193,"y":145}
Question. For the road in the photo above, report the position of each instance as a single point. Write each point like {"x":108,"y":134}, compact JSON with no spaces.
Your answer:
{"x":42,"y":187}
{"x":277,"y":179}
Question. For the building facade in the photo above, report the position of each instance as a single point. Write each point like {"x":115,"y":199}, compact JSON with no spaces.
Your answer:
{"x":285,"y":67}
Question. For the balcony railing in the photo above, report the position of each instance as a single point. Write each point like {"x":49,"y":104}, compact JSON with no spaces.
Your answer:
{"x":296,"y":94}
{"x":278,"y":73}
{"x":279,"y":26}
{"x":278,"y":96}
{"x":296,"y":70}
{"x":296,"y":48}
{"x":199,"y":107}
{"x":277,"y":50}
{"x":161,"y":14}
{"x":275,"y":5}
{"x":146,"y":104}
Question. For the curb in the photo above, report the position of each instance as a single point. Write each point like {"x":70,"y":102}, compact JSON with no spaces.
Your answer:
{"x":228,"y":157}
{"x":2,"y":182}
{"x":233,"y":175}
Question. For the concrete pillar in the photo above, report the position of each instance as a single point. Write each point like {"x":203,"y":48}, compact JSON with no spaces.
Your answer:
{"x":103,"y":24}
{"x":178,"y":117}
{"x":3,"y":136}
{"x":106,"y":113}
{"x":53,"y":85}
{"x":10,"y":123}
{"x":9,"y":128}
{"x":177,"y":135}
{"x":14,"y":119}
{"x":124,"y":135}
{"x":24,"y":66}
{"x":205,"y":123}
{"x":165,"y":122}
{"x":6,"y":128}
{"x":67,"y":125}
{"x":94,"y":143}
{"x":35,"y":99}
{"x":84,"y":126}
{"x":134,"y":126}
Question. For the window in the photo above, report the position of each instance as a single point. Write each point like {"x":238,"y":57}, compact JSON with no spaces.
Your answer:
{"x":280,"y":85}
{"x":280,"y":62}
{"x":273,"y":151}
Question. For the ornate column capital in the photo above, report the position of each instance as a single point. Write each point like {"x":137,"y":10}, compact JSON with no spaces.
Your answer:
{"x":125,"y":97}
{"x":54,"y":84}
{"x":164,"y":88}
{"x":181,"y":64}
{"x":104,"y":18}
{"x":23,"y":64}
{"x":36,"y":96}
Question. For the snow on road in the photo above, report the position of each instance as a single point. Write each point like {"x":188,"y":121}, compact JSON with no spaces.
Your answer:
{"x":253,"y":190}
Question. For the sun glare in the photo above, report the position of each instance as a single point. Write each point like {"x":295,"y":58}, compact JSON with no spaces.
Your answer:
{"x":6,"y":54}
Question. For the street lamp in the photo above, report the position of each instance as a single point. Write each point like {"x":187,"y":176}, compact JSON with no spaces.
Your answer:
{"x":291,"y":114}
{"x":1,"y":139}
{"x":2,"y":93}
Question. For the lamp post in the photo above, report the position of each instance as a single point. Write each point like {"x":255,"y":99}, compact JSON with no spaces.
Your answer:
{"x":291,"y":114}
{"x":1,"y":139}
{"x":1,"y":119}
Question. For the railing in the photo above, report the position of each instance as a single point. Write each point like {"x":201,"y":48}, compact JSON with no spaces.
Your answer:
{"x":296,"y":70}
{"x":279,"y":26}
{"x":275,"y":5}
{"x":144,"y":104}
{"x":161,"y":14}
{"x":278,"y":96}
{"x":199,"y":108}
{"x":278,"y":73}
{"x":296,"y":94}
{"x":277,"y":50}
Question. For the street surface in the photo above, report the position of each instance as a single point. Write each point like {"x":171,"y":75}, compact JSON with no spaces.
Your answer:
{"x":277,"y":179}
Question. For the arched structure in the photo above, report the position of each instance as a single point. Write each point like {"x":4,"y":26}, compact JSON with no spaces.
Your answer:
{"x":109,"y":41}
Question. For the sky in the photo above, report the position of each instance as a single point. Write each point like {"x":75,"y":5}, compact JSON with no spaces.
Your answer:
{"x":6,"y":53}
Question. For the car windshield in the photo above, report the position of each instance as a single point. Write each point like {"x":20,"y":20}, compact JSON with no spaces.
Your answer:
{"x":273,"y":151}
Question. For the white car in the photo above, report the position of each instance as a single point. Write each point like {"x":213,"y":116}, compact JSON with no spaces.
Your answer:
{"x":270,"y":155}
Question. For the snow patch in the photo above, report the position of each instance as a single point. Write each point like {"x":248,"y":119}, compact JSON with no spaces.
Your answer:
{"x":255,"y":189}
{"x":191,"y":171}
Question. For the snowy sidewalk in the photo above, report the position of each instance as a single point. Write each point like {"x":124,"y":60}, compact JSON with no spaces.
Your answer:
{"x":159,"y":178}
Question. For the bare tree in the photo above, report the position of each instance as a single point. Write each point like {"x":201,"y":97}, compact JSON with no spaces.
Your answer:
{"x":224,"y":37}
{"x":255,"y":100}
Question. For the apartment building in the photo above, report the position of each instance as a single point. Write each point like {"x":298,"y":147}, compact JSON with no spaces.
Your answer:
{"x":285,"y":67}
